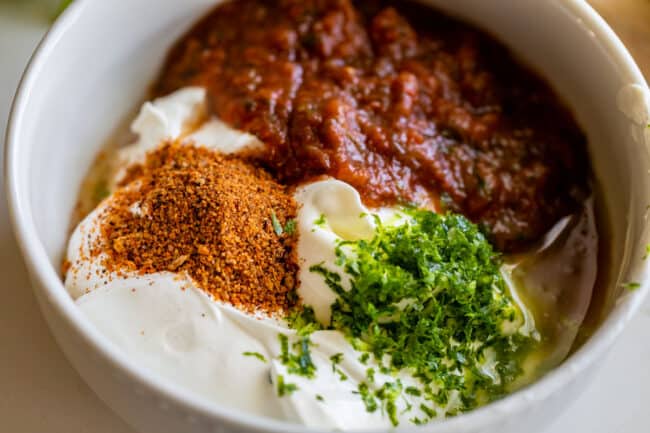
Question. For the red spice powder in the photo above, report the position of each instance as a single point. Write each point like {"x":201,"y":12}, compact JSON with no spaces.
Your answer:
{"x":217,"y":218}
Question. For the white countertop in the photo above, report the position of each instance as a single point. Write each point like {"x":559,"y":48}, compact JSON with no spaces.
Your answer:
{"x":40,"y":392}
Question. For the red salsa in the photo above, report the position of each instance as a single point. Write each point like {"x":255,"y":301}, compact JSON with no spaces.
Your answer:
{"x":403,"y":103}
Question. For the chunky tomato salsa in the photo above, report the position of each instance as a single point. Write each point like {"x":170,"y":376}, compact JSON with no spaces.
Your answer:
{"x":403,"y":103}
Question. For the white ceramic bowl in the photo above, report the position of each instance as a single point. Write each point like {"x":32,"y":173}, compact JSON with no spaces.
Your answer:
{"x":93,"y":68}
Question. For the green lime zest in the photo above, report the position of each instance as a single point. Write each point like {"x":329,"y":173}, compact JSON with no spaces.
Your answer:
{"x":285,"y":388}
{"x":320,"y":221}
{"x":297,"y":356}
{"x":290,"y":226}
{"x":428,"y":296}
{"x":631,"y":286}
{"x":256,"y":355}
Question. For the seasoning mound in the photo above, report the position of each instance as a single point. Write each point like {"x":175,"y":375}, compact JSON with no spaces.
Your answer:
{"x":218,"y":219}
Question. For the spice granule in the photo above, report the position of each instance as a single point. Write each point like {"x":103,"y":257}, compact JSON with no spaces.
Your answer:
{"x":194,"y":211}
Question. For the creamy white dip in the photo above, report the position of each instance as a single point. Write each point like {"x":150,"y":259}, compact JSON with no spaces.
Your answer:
{"x":167,"y":323}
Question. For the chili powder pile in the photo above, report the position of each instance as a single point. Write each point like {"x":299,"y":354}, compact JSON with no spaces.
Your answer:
{"x":213,"y":217}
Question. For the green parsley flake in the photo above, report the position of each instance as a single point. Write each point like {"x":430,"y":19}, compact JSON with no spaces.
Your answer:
{"x":411,"y":390}
{"x":336,"y":360}
{"x":290,"y":227}
{"x":417,"y":421}
{"x":320,"y":221}
{"x":631,"y":286}
{"x":303,"y":320}
{"x":384,"y":397}
{"x":277,"y":227}
{"x":370,"y":374}
{"x":431,"y":413}
{"x":320,"y":398}
{"x":255,"y":355}
{"x":367,"y":397}
{"x":285,"y":388}
{"x":388,"y":395}
{"x":298,"y":361}
{"x":428,"y":295}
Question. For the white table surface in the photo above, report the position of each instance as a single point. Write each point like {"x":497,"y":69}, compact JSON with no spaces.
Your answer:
{"x":40,"y":392}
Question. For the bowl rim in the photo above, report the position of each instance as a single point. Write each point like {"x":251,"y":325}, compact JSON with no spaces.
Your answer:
{"x":46,"y":280}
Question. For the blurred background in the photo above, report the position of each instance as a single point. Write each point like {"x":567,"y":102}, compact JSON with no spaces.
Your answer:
{"x":631,"y":20}
{"x":41,"y":393}
{"x":38,"y":10}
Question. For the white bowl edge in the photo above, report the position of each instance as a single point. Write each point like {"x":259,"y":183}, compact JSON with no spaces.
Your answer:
{"x":48,"y":278}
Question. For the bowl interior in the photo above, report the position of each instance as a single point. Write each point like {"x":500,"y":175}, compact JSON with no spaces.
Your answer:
{"x":95,"y":65}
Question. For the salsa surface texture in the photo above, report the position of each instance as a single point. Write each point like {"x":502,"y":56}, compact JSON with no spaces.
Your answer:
{"x":401,"y":102}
